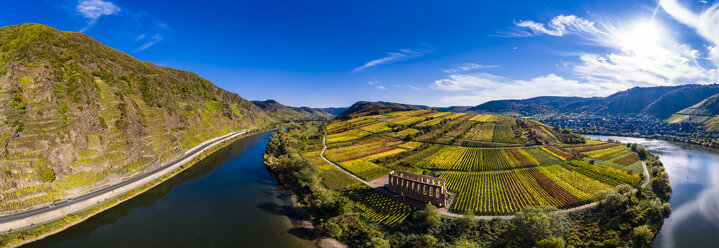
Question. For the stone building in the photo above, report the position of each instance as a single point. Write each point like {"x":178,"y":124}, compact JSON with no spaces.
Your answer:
{"x":418,"y":187}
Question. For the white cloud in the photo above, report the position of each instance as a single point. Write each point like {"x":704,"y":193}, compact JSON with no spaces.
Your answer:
{"x":403,"y":54}
{"x":705,"y":23}
{"x":468,"y":67}
{"x":140,"y":37}
{"x":641,"y":53}
{"x":559,"y":26}
{"x":156,"y":38}
{"x":482,"y":87}
{"x":381,"y":87}
{"x":94,"y":9}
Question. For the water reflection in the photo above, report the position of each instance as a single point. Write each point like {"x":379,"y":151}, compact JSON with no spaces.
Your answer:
{"x":227,"y":200}
{"x":694,"y":175}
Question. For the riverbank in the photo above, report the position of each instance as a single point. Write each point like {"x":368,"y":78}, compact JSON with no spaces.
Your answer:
{"x":17,"y":238}
{"x":302,"y":226}
{"x":656,"y":137}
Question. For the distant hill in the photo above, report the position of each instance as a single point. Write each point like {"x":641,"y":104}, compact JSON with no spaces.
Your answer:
{"x":662,"y":102}
{"x":460,"y":109}
{"x":335,"y":111}
{"x":705,"y":112}
{"x":364,"y":108}
{"x":285,"y":113}
{"x":545,"y":105}
{"x":76,"y":114}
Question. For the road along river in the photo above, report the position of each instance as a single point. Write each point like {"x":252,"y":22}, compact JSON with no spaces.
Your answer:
{"x":694,"y":175}
{"x":226,"y":200}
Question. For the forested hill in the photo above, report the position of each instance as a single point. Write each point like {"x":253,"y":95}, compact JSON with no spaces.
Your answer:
{"x":284,"y":113}
{"x":363,"y":108}
{"x":656,"y":102}
{"x":75,"y":114}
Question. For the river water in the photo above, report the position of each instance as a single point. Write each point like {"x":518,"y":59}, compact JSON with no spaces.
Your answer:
{"x":694,"y":176}
{"x":226,"y":200}
{"x":229,"y":200}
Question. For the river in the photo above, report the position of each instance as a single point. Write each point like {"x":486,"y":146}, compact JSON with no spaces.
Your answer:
{"x":229,"y":200}
{"x":226,"y":200}
{"x":694,"y":176}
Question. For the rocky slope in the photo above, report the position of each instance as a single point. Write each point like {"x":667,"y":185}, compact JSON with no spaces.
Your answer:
{"x":76,"y":114}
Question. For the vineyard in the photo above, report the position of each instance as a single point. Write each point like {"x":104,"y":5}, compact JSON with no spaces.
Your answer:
{"x":377,"y":207}
{"x":491,"y":165}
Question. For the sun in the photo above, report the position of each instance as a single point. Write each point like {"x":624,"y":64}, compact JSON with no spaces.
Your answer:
{"x":643,"y":38}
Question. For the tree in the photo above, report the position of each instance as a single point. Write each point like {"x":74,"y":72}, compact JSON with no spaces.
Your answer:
{"x":551,"y":242}
{"x":661,"y":187}
{"x":329,"y":229}
{"x":426,"y":241}
{"x":377,"y":242}
{"x":467,"y":222}
{"x":429,"y":217}
{"x":642,"y":236}
{"x":533,"y":224}
{"x":463,"y":243}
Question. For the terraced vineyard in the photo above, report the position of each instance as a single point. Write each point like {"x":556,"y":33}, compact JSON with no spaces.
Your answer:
{"x":494,"y":165}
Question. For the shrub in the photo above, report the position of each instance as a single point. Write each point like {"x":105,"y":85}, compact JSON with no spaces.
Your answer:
{"x":328,"y":229}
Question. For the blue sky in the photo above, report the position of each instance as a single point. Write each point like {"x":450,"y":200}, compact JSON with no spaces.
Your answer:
{"x":438,"y":53}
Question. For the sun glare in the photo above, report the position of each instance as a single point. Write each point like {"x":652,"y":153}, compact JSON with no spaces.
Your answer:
{"x":643,"y":38}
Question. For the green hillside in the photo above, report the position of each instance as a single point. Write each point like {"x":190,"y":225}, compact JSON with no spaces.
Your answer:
{"x":284,"y":113}
{"x":76,"y":114}
{"x":705,"y":112}
{"x":684,"y":103}
{"x":364,"y":108}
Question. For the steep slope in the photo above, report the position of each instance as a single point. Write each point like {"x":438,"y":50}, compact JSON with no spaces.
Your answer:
{"x":680,"y":98}
{"x":656,"y":102}
{"x":704,"y":113}
{"x":628,"y":102}
{"x":75,"y":114}
{"x":285,"y":113}
{"x":363,"y":108}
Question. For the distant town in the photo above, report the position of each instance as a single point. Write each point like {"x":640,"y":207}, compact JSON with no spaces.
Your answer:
{"x":636,"y":127}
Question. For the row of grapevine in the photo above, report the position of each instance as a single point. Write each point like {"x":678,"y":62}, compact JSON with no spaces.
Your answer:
{"x":627,"y":159}
{"x":504,"y":133}
{"x":609,"y":176}
{"x":594,"y":147}
{"x":561,"y":194}
{"x":541,"y":156}
{"x":557,"y":152}
{"x":379,"y":208}
{"x":488,"y":192}
{"x":332,"y":177}
{"x":377,"y":127}
{"x":346,"y":136}
{"x":364,"y":169}
{"x":577,"y":179}
{"x":608,"y":153}
{"x":361,"y":150}
{"x":423,"y":113}
{"x":486,"y":134}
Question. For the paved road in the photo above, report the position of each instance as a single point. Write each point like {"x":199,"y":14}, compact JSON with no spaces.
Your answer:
{"x":37,"y":211}
{"x":646,"y":174}
{"x":443,"y":211}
